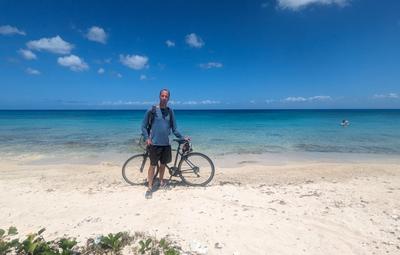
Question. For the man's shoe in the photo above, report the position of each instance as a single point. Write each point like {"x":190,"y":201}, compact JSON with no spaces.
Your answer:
{"x":163,"y":184}
{"x":149,"y":194}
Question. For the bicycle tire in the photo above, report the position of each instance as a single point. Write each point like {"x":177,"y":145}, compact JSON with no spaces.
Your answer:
{"x":131,"y":169}
{"x":190,"y":175}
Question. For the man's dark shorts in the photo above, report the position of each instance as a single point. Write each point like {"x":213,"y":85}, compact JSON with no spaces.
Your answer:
{"x":160,"y":153}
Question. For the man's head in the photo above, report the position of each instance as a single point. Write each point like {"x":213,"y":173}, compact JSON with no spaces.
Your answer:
{"x":164,"y":96}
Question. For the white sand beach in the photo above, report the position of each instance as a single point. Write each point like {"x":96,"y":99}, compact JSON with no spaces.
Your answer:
{"x":249,"y":208}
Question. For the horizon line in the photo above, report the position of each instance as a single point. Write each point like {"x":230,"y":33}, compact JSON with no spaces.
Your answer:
{"x":202,"y":109}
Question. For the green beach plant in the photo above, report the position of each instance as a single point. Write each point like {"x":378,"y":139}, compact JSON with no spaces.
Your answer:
{"x":112,"y":244}
{"x":67,"y":246}
{"x":144,"y":246}
{"x":152,"y":246}
{"x":35,"y":244}
{"x":7,"y":242}
{"x":167,"y":247}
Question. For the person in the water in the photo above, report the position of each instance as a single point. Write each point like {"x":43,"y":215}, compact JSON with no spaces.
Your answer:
{"x":345,"y":123}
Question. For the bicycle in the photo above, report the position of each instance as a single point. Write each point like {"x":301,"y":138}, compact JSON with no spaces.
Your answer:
{"x":194,"y":168}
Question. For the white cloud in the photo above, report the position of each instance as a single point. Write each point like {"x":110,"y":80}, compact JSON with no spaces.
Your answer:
{"x":170,"y":43}
{"x":135,"y":62}
{"x":308,"y":99}
{"x":298,"y":4}
{"x":54,"y":45}
{"x":211,"y":65}
{"x":73,"y":62}
{"x":97,"y":34}
{"x":9,"y":30}
{"x":295,"y":99}
{"x":173,"y":102}
{"x":190,"y":102}
{"x":207,"y":101}
{"x":383,"y":96}
{"x":194,"y":40}
{"x":210,"y":102}
{"x":32,"y":71}
{"x":121,"y":102}
{"x":143,"y":77}
{"x":27,"y":54}
{"x":119,"y":75}
{"x":100,"y":71}
{"x":319,"y":98}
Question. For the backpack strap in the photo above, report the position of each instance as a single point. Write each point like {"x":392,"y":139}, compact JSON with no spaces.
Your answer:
{"x":151,"y":115}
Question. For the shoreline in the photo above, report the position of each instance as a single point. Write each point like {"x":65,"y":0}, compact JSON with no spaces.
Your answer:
{"x":222,"y":160}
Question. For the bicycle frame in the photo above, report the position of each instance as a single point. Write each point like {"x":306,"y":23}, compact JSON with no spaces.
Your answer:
{"x":179,"y":154}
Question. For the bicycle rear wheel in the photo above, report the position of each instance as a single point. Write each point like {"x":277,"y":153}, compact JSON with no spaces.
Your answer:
{"x":196,"y":169}
{"x":135,"y":169}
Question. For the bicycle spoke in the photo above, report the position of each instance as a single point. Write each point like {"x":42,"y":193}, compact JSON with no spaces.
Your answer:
{"x":196,"y":169}
{"x":189,"y":163}
{"x":135,"y":170}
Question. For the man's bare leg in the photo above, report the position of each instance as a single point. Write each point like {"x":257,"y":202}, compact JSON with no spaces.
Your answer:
{"x":162,"y":170}
{"x":150,"y":176}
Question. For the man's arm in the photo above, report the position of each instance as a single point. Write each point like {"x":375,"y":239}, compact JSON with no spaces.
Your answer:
{"x":144,"y":125}
{"x":174,"y":126}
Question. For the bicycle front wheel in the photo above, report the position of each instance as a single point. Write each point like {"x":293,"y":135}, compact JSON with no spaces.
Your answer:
{"x":196,"y":169}
{"x":135,"y":169}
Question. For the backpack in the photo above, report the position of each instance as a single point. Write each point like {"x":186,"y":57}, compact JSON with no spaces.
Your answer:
{"x":152,"y":114}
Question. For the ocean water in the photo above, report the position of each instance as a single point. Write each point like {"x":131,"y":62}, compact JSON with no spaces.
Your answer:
{"x":95,"y":134}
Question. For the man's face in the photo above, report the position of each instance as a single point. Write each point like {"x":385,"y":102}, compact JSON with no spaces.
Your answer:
{"x":164,"y":97}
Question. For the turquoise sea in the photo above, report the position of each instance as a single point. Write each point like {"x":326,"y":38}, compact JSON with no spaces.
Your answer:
{"x":94,"y":134}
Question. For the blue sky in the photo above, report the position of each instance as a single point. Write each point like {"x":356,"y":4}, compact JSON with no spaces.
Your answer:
{"x":210,"y":54}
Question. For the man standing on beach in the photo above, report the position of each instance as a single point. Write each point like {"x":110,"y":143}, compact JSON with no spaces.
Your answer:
{"x":156,"y":128}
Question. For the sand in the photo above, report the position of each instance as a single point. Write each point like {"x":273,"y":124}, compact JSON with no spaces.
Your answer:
{"x":249,"y":208}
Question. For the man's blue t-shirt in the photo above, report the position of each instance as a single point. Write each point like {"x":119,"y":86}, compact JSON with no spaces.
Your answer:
{"x":161,"y":128}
